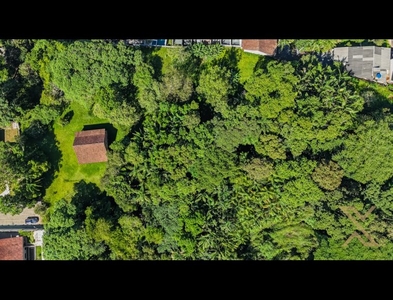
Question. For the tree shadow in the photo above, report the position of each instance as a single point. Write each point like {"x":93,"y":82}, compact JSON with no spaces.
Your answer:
{"x":262,"y":62}
{"x":374,"y":101}
{"x":153,"y":59}
{"x":110,"y":129}
{"x":206,"y":112}
{"x":89,"y":195}
{"x":41,"y":139}
{"x":231,"y":59}
{"x":67,"y":117}
{"x":286,"y":53}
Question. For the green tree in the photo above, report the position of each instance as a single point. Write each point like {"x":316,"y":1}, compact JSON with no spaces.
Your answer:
{"x":328,"y":175}
{"x":365,"y":156}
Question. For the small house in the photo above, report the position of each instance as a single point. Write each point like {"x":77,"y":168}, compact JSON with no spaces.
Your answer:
{"x":90,"y":146}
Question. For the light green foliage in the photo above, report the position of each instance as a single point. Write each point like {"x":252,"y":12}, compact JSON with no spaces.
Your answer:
{"x":300,"y":239}
{"x":272,"y":89}
{"x":176,"y":86}
{"x":305,"y":45}
{"x":148,"y":89}
{"x":366,"y":155}
{"x":214,"y":86}
{"x":123,"y":241}
{"x":300,"y":191}
{"x":40,"y":57}
{"x":328,"y":175}
{"x":334,"y":250}
{"x":231,"y":134}
{"x":84,"y":67}
{"x":206,"y":52}
{"x":271,"y":145}
{"x":259,"y":169}
{"x":43,"y":113}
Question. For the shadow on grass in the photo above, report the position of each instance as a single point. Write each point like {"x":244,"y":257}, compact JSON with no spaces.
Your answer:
{"x":262,"y":62}
{"x":154,"y":60}
{"x":374,"y":100}
{"x":66,"y":119}
{"x":49,"y":146}
{"x":89,"y":195}
{"x":110,"y":129}
{"x":41,"y":146}
{"x":231,"y":59}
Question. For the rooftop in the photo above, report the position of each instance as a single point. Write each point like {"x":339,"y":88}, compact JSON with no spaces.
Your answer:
{"x":90,"y":146}
{"x":367,"y":62}
{"x":12,"y":248}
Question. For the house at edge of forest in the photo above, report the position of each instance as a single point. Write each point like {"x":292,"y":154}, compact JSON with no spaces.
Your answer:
{"x":90,"y":146}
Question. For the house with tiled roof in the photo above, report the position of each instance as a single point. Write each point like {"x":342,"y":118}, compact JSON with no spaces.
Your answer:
{"x":367,"y":62}
{"x":90,"y":146}
{"x":13,"y":248}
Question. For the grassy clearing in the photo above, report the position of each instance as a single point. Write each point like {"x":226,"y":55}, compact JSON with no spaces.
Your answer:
{"x":166,"y":54}
{"x":70,"y":172}
{"x":247,"y":64}
{"x":38,"y":253}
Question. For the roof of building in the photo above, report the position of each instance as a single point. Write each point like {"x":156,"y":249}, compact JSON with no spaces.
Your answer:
{"x":12,"y":248}
{"x":90,"y":146}
{"x":366,"y":61}
{"x":266,"y":47}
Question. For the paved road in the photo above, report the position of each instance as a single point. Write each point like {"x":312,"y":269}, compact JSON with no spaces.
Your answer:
{"x":6,"y":219}
{"x":32,"y":227}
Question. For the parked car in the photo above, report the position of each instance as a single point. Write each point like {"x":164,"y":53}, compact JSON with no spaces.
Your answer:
{"x":31,"y":220}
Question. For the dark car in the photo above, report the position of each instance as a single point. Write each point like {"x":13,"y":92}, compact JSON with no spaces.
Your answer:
{"x":31,"y":220}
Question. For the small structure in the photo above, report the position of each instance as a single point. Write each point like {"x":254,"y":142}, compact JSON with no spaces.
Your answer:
{"x":367,"y":62}
{"x":9,"y":133}
{"x":90,"y":146}
{"x":6,"y":191}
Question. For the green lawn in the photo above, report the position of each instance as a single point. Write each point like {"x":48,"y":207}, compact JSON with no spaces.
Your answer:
{"x":38,"y":253}
{"x":70,"y":172}
{"x":247,"y":64}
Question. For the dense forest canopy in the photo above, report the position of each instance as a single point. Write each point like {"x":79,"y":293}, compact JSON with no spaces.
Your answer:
{"x":210,"y":166}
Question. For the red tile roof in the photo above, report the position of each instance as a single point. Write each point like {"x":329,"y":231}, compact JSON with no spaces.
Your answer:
{"x":12,"y":248}
{"x":90,"y":146}
{"x":265,"y":46}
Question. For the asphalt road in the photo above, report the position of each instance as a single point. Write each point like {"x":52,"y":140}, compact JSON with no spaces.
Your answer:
{"x":32,"y":227}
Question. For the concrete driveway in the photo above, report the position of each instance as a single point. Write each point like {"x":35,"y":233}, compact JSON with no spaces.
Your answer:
{"x":6,"y":219}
